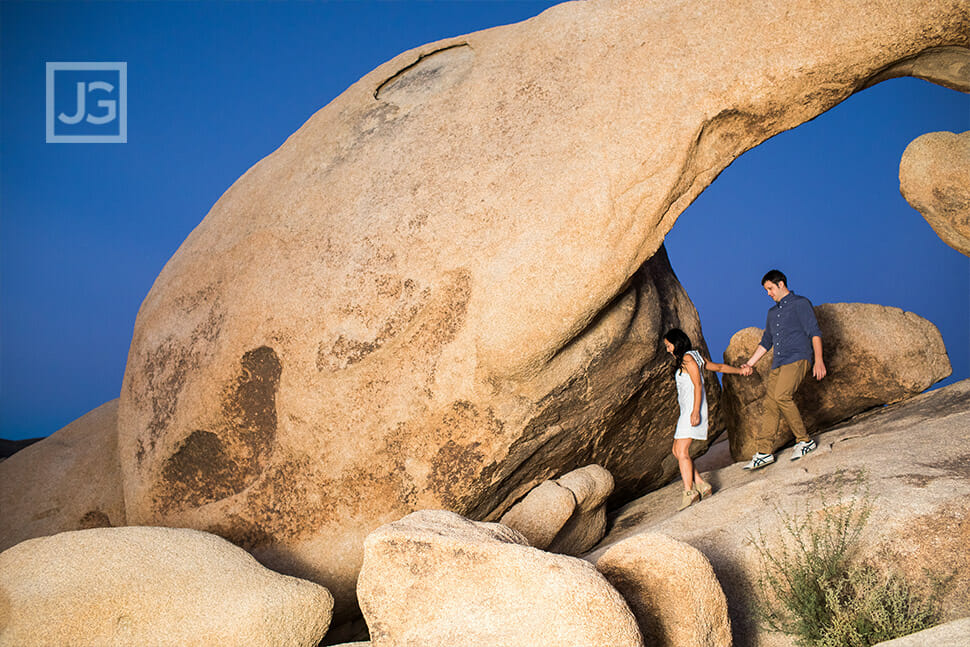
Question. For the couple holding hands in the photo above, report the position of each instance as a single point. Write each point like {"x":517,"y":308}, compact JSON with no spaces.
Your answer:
{"x":793,"y":332}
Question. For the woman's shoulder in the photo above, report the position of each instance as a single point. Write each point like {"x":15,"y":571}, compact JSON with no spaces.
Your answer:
{"x":692,"y":356}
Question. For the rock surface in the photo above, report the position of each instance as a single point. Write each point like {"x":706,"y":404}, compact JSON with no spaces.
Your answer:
{"x":299,"y":478}
{"x":70,"y":480}
{"x":934,"y":177}
{"x":671,"y":589}
{"x":152,"y":586}
{"x":913,"y":456}
{"x":445,"y":287}
{"x":874,"y":355}
{"x":950,"y":634}
{"x":567,"y":515}
{"x":436,"y":579}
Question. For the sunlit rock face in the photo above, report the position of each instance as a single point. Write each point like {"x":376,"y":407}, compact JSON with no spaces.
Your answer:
{"x":70,"y":480}
{"x":671,"y":589}
{"x":449,"y":285}
{"x":934,"y":177}
{"x":436,"y":579}
{"x":166,"y":587}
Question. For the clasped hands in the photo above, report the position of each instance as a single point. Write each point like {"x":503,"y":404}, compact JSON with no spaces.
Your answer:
{"x":746,"y":369}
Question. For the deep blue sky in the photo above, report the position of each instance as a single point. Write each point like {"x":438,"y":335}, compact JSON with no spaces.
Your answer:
{"x":213,"y":87}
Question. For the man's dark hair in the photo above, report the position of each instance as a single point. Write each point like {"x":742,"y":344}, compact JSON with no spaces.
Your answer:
{"x":776,"y":277}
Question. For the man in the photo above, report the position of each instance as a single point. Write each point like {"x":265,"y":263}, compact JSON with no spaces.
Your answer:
{"x":793,"y":332}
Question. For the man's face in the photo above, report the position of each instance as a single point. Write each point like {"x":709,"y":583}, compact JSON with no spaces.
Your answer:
{"x":776,"y":291}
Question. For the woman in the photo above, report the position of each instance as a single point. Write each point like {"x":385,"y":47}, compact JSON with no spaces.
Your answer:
{"x":692,"y":424}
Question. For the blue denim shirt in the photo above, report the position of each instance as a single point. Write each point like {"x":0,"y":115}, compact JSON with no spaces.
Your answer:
{"x":790,"y":327}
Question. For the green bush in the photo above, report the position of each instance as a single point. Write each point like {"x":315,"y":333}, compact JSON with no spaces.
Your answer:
{"x":870,"y":606}
{"x":817,"y":586}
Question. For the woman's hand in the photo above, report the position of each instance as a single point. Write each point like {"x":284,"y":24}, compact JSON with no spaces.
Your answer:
{"x":695,"y":418}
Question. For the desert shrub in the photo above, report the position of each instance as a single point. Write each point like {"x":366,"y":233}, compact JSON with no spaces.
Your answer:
{"x":816,"y":584}
{"x":872,"y":605}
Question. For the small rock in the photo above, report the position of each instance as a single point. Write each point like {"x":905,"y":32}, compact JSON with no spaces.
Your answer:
{"x":436,"y":579}
{"x":152,"y":586}
{"x":542,"y":513}
{"x":672,"y":590}
{"x":591,"y":485}
{"x":567,"y":515}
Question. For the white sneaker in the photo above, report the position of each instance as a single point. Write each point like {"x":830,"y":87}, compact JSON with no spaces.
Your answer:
{"x":759,"y":460}
{"x":803,"y":448}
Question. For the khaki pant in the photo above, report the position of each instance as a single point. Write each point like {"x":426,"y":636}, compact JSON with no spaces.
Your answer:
{"x":782,"y":384}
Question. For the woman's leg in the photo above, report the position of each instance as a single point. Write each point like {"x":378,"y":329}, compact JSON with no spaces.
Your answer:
{"x":681,"y":452}
{"x":698,"y":481}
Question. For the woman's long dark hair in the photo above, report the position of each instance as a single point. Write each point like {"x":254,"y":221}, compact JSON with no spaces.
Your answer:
{"x":681,"y":343}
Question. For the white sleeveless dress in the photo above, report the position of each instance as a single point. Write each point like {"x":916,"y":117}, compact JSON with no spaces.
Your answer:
{"x":685,"y":397}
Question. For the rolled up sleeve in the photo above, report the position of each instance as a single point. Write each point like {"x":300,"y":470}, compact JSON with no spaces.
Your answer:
{"x":766,"y":340}
{"x":806,"y":316}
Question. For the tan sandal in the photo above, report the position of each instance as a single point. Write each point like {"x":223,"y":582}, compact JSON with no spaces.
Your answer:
{"x":705,"y":490}
{"x":689,"y":498}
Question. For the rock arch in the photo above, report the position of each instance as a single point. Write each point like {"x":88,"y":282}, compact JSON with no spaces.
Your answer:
{"x":488,"y":253}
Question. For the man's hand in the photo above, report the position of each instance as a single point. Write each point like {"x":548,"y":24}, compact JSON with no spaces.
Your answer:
{"x":746,"y":369}
{"x":695,"y":418}
{"x":819,"y":371}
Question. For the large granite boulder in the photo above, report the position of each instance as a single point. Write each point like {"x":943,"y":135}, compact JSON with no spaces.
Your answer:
{"x":70,"y":480}
{"x":436,"y":579}
{"x":671,"y":589}
{"x":874,"y":355}
{"x":449,"y":285}
{"x":120,"y":587}
{"x":934,"y":177}
{"x":909,"y":460}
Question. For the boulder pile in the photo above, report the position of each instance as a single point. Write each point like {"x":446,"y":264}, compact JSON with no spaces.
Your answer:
{"x":449,"y":287}
{"x":437,"y":578}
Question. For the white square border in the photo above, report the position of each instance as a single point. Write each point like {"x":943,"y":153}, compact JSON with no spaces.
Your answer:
{"x":122,"y":137}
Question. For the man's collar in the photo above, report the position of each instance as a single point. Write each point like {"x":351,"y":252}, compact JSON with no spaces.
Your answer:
{"x":784,"y":298}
